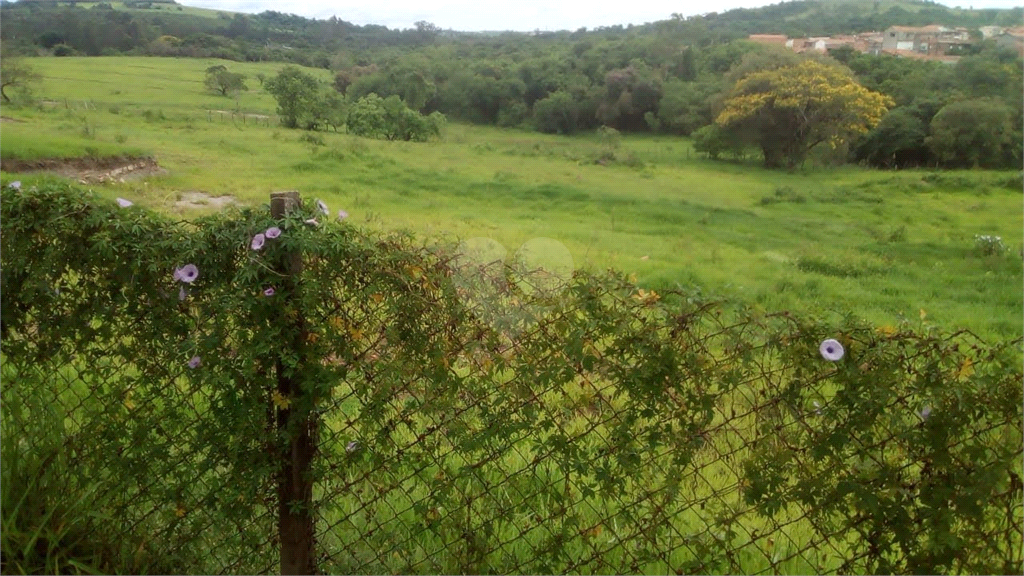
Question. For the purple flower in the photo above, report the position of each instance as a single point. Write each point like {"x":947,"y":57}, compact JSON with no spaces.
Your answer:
{"x":187,"y":273}
{"x":269,"y":292}
{"x":342,"y":214}
{"x":257,"y":241}
{"x":182,"y":293}
{"x":273,"y":232}
{"x":831,"y":350}
{"x":194,"y":362}
{"x":16,"y":185}
{"x":323,"y":207}
{"x":312,"y":222}
{"x":124,"y":203}
{"x":925,"y":412}
{"x":352,"y":447}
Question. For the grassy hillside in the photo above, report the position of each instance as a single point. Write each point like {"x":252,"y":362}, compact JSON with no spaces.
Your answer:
{"x":159,"y":7}
{"x":825,"y":17}
{"x":879,"y":245}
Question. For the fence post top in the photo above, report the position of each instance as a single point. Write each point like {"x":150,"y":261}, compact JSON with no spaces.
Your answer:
{"x":284,"y":202}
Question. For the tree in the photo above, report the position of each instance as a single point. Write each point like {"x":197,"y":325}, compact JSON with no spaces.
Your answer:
{"x":223,"y":82}
{"x":976,"y":133}
{"x":630,"y":93}
{"x":790,"y":110}
{"x":297,"y":95}
{"x":714,"y":141}
{"x":686,"y":106}
{"x":15,"y":74}
{"x":897,"y":142}
{"x":390,"y":119}
{"x":556,"y":114}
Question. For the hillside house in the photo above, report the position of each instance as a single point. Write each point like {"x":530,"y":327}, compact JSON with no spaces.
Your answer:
{"x":1012,"y":38}
{"x":770,"y":39}
{"x":933,"y":40}
{"x":867,"y":42}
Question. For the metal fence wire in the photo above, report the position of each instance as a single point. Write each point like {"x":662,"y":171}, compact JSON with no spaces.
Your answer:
{"x":339,"y":402}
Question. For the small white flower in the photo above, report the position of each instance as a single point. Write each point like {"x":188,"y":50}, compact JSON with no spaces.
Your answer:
{"x":16,"y":185}
{"x":124,"y":203}
{"x":312,"y":222}
{"x":831,"y":350}
{"x":925,"y":412}
{"x":352,"y":447}
{"x":342,"y":214}
{"x":322,"y":206}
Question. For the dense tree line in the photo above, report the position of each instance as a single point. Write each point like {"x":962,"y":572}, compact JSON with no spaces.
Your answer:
{"x":674,"y":76}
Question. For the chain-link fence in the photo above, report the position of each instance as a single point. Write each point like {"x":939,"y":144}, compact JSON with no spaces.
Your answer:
{"x":308,"y":397}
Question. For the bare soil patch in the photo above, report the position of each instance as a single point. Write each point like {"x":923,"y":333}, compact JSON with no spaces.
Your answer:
{"x":90,"y":170}
{"x":198,"y":199}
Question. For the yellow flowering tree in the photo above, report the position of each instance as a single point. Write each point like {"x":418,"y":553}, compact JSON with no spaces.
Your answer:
{"x":790,"y":110}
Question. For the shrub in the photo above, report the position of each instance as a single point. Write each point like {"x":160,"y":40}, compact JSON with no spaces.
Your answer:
{"x":989,"y":245}
{"x":390,"y":119}
{"x":714,"y":141}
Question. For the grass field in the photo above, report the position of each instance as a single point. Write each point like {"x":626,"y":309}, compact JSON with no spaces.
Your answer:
{"x":882,"y":246}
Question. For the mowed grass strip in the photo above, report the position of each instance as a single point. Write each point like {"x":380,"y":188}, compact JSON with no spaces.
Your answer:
{"x":834,"y":242}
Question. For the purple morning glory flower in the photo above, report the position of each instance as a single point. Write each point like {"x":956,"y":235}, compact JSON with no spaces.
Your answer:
{"x":124,"y":203}
{"x":16,"y":185}
{"x":194,"y":362}
{"x":273,"y":232}
{"x":182,"y":293}
{"x":925,"y":412}
{"x":831,"y":350}
{"x":269,"y":292}
{"x":323,"y":207}
{"x":257,"y":241}
{"x":187,"y":273}
{"x":342,"y":214}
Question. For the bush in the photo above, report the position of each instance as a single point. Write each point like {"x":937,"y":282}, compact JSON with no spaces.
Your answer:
{"x":390,"y":119}
{"x":976,"y":133}
{"x":556,"y":114}
{"x":64,"y":50}
{"x":989,"y":245}
{"x":714,"y":141}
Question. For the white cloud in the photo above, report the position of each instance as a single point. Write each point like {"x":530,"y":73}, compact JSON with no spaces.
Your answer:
{"x":521,"y":15}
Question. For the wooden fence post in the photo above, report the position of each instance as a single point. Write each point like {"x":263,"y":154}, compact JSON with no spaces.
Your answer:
{"x":294,"y":483}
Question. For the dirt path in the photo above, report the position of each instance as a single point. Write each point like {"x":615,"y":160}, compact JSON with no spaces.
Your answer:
{"x":89,"y":170}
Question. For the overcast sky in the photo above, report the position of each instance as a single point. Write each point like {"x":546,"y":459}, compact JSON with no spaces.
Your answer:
{"x":520,"y":15}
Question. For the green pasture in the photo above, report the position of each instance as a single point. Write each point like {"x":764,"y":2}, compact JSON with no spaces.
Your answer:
{"x":832,"y":242}
{"x":158,"y":8}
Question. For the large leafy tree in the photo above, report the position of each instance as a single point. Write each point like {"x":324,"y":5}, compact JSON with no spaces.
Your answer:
{"x":297,"y":95}
{"x":897,"y":141}
{"x":790,"y":110}
{"x":224,"y":82}
{"x":976,"y":133}
{"x":556,"y":114}
{"x":390,"y":119}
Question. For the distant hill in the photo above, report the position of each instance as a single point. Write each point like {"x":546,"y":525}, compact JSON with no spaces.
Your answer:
{"x":166,"y":28}
{"x":828,"y":17}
